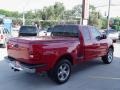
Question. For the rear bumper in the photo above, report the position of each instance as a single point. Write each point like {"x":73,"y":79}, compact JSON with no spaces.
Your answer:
{"x":23,"y":66}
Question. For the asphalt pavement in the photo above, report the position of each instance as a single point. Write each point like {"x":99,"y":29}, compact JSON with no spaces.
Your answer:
{"x":93,"y":75}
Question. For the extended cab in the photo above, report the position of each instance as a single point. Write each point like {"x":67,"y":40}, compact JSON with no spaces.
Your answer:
{"x":68,"y":45}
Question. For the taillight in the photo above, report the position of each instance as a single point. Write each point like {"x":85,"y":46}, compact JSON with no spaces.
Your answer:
{"x":9,"y":45}
{"x":1,"y":36}
{"x":31,"y":54}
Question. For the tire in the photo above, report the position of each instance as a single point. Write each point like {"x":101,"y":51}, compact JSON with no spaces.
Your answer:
{"x":61,"y":72}
{"x":107,"y":59}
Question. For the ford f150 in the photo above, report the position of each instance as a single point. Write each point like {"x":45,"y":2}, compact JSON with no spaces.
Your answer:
{"x":68,"y":45}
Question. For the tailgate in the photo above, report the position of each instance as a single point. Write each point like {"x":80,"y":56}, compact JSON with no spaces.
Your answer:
{"x":18,"y":50}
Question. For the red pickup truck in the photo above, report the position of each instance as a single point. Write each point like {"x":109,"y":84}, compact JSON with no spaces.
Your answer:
{"x":68,"y":45}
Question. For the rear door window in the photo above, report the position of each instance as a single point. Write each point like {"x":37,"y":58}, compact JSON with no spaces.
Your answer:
{"x":86,"y":34}
{"x":95,"y":33}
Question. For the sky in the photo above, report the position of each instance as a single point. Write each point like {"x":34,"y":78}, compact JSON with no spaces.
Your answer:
{"x":19,"y":5}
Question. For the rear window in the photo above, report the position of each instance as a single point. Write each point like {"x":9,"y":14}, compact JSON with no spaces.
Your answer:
{"x":28,"y":31}
{"x":65,"y":30}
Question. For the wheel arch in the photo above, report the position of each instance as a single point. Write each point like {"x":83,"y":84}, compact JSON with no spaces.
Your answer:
{"x":65,"y":56}
{"x":112,"y":47}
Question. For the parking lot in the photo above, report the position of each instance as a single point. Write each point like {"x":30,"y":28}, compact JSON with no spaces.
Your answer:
{"x":93,"y":75}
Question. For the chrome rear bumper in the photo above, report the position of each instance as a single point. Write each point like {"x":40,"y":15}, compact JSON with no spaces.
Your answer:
{"x":19,"y":66}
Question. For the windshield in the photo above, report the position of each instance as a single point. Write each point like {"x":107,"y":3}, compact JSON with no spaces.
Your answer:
{"x":66,"y":30}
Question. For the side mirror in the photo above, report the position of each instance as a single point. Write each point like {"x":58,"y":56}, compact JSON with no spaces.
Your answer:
{"x":104,"y":36}
{"x":98,"y":37}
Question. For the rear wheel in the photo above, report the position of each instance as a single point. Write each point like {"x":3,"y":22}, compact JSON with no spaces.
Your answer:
{"x":107,"y":59}
{"x":62,"y":71}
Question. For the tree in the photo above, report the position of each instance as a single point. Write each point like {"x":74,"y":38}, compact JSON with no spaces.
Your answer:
{"x":58,"y":13}
{"x":9,"y":13}
{"x":58,"y":10}
{"x":29,"y":15}
{"x":95,"y":18}
{"x":116,"y":23}
{"x":77,"y":11}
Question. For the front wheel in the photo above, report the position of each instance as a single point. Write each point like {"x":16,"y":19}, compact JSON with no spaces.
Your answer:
{"x":61,"y":72}
{"x":107,"y":59}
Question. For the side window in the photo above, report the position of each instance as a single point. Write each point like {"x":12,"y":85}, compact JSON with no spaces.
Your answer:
{"x":85,"y":33}
{"x":95,"y":33}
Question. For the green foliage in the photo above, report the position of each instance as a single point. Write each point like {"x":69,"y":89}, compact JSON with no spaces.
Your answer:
{"x":54,"y":14}
{"x":116,"y":23}
{"x":17,"y":21}
{"x":58,"y":10}
{"x":9,"y":13}
{"x":93,"y":17}
{"x":77,"y":11}
{"x":46,"y":24}
{"x":96,"y":19}
{"x":104,"y":23}
{"x":114,"y":27}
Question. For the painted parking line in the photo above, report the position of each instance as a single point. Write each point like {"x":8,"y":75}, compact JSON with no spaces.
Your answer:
{"x":102,"y":77}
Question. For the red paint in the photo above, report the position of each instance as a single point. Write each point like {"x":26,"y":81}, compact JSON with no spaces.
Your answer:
{"x":48,"y":50}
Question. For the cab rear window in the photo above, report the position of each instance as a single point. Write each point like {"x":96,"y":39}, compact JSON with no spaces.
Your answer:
{"x":65,"y":30}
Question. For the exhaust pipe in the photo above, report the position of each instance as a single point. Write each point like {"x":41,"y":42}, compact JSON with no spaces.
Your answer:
{"x":16,"y":70}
